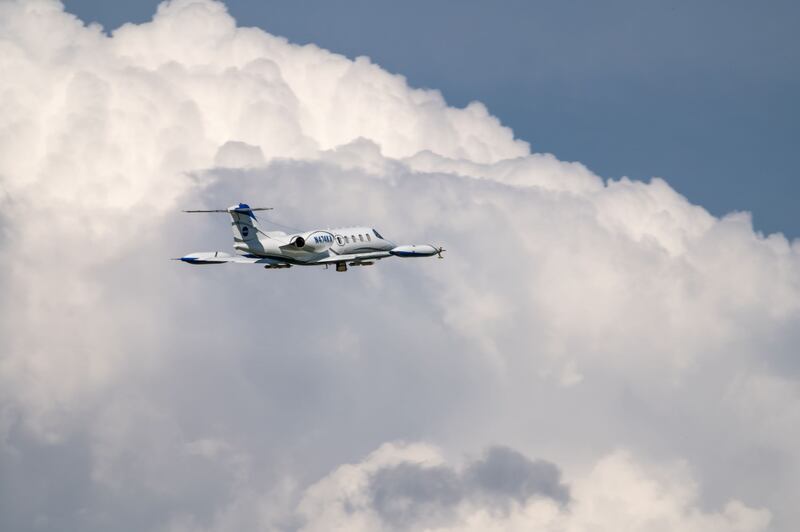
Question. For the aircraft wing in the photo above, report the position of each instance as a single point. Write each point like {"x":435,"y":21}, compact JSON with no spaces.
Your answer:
{"x":354,"y":257}
{"x":218,"y":257}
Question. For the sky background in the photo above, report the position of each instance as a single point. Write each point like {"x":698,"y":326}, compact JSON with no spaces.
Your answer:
{"x":591,"y":354}
{"x":703,"y":94}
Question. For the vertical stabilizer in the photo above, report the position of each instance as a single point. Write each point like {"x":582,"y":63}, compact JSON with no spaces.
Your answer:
{"x":244,"y":225}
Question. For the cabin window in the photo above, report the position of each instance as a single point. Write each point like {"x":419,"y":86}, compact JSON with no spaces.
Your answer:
{"x":361,"y":238}
{"x":368,"y":238}
{"x":377,"y":234}
{"x":346,"y":240}
{"x":354,"y":238}
{"x":339,"y":240}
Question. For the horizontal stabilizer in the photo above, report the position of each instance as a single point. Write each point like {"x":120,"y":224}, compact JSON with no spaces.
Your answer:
{"x":242,"y":208}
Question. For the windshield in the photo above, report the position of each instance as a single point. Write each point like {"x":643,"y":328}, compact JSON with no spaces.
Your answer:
{"x":377,"y":234}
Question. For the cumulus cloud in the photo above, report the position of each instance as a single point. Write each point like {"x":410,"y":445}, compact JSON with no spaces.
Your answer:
{"x":412,"y":488}
{"x":408,"y":493}
{"x":640,"y":349}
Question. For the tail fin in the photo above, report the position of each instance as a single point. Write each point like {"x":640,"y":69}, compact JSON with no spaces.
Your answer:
{"x":244,"y":225}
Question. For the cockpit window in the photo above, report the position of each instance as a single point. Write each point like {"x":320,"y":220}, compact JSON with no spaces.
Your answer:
{"x":377,"y":234}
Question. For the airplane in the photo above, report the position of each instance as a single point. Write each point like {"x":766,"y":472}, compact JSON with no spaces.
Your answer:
{"x":354,"y":246}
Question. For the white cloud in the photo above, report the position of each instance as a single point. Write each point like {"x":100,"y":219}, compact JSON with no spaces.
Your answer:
{"x":412,"y":487}
{"x":572,"y":316}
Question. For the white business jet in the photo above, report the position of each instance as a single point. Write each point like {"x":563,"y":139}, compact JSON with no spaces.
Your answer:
{"x":354,"y":246}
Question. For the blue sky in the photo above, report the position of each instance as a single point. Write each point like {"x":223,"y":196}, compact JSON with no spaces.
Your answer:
{"x":703,"y":94}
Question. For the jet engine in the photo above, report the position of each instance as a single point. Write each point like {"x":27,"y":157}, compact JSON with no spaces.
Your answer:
{"x":312,"y":242}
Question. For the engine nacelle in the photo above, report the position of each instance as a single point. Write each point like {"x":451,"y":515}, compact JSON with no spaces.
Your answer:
{"x":312,"y":242}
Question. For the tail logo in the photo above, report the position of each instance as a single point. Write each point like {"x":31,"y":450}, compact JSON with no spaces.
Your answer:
{"x":245,"y":230}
